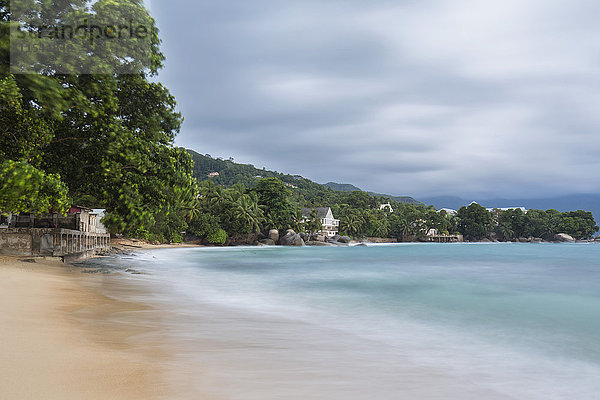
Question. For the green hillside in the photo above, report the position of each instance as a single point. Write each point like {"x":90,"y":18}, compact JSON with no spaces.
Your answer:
{"x":304,"y":191}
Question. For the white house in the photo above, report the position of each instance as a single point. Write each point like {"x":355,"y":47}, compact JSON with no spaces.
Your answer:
{"x":330,"y":225}
{"x":448,"y":211}
{"x":492,"y":209}
{"x":507,"y":208}
{"x":387,"y":206}
{"x":96,"y":224}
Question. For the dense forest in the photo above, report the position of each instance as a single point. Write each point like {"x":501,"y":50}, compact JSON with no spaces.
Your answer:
{"x":107,"y":141}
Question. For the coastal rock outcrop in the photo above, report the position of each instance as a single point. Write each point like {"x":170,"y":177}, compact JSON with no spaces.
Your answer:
{"x":267,"y":242}
{"x":317,"y":237}
{"x":291,"y":238}
{"x":336,"y":242}
{"x":342,"y":239}
{"x":563,"y":237}
{"x":274,"y":235}
{"x":318,"y":243}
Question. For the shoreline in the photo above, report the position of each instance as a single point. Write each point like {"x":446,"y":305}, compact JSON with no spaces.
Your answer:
{"x":62,"y":339}
{"x":69,"y":333}
{"x":131,"y":245}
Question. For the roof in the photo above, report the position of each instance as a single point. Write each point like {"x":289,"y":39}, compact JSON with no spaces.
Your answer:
{"x":76,"y":209}
{"x":321,"y":212}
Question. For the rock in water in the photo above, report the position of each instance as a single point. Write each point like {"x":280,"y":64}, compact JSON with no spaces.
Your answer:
{"x":274,"y":235}
{"x":344,"y":239}
{"x":563,"y":237}
{"x":317,"y":237}
{"x":341,"y":239}
{"x":291,"y":238}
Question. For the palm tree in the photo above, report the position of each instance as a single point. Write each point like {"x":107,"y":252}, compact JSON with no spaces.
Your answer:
{"x":189,"y":203}
{"x":237,"y":191}
{"x":353,"y":223}
{"x":218,"y":196}
{"x":192,"y":209}
{"x":248,"y":212}
{"x":382,"y":229}
{"x":296,"y":220}
{"x":403,"y":227}
{"x":314,"y":223}
{"x":505,"y":231}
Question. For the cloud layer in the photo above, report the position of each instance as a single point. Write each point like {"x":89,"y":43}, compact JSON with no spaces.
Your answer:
{"x":465,"y":97}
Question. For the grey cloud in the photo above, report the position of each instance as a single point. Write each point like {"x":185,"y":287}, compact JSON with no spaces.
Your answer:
{"x":416,"y":97}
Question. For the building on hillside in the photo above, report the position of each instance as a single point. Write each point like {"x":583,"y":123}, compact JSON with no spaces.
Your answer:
{"x":492,"y":209}
{"x":386,"y":206}
{"x":330,"y":225}
{"x":213,"y":174}
{"x":448,"y":211}
{"x":523,"y":209}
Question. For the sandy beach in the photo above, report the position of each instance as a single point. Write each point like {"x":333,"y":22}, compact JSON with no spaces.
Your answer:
{"x":60,"y":339}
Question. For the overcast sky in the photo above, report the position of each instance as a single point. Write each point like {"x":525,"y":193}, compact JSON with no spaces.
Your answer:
{"x":424,"y":97}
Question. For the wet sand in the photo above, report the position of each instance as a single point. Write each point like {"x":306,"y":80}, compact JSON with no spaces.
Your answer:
{"x":61,"y":339}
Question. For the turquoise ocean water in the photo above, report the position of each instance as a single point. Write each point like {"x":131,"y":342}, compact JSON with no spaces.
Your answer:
{"x":510,"y":321}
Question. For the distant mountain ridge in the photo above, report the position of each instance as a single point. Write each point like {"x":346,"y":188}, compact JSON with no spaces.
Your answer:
{"x":346,"y":187}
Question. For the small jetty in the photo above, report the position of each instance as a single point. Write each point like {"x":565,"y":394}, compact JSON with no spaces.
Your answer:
{"x":435,"y":236}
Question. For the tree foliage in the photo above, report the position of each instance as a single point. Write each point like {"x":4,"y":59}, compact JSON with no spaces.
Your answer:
{"x":475,"y":221}
{"x":24,"y":188}
{"x":105,"y":138}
